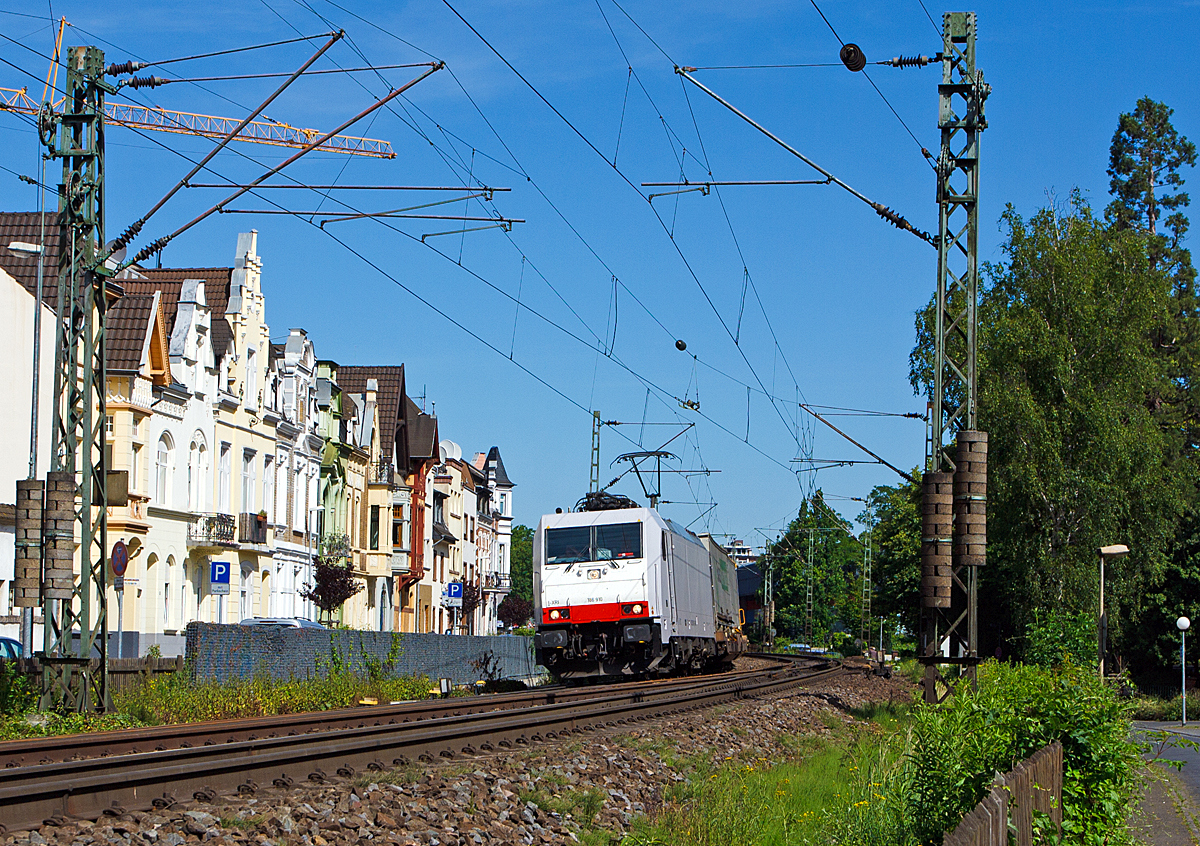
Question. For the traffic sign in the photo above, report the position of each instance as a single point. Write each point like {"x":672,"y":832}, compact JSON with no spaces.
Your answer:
{"x":454,"y":595}
{"x":119,"y":558}
{"x":218,"y":577}
{"x":119,"y":584}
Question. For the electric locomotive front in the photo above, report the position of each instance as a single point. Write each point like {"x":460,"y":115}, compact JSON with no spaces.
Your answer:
{"x":597,"y":595}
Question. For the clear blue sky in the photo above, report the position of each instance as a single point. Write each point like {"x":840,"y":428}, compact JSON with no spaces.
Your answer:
{"x":839,"y":286}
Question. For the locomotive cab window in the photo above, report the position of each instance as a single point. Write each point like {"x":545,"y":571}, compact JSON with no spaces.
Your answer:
{"x":620,"y":541}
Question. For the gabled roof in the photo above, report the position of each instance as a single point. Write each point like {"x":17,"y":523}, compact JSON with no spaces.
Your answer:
{"x":390,"y":393}
{"x":127,"y":326}
{"x":422,"y":432}
{"x":170,"y":280}
{"x":27,"y":228}
{"x":501,"y":476}
{"x":135,"y":326}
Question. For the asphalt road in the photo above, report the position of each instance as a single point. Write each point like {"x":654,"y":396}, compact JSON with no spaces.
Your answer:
{"x":1190,"y":774}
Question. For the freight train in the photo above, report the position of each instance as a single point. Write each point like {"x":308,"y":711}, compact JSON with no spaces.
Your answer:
{"x":626,"y":592}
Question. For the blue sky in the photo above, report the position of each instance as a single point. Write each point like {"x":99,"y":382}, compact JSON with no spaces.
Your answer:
{"x":819,"y":293}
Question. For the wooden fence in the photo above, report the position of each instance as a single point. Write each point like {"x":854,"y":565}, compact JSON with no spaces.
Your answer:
{"x":123,"y":673}
{"x":1035,"y":785}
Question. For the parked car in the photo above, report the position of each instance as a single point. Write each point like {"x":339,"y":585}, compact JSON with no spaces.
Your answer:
{"x":282,"y":622}
{"x":10,"y":648}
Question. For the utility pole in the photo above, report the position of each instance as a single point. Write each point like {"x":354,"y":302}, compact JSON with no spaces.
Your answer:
{"x":74,"y":673}
{"x":866,"y":589}
{"x":594,"y":486}
{"x":954,"y":489}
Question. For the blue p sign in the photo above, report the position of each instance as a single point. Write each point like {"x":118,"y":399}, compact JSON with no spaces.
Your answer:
{"x":219,"y":574}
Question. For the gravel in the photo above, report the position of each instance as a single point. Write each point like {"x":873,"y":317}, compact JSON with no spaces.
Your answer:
{"x":543,"y":794}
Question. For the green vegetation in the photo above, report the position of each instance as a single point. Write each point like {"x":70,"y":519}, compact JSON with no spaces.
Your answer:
{"x":175,"y":698}
{"x":912,"y":773}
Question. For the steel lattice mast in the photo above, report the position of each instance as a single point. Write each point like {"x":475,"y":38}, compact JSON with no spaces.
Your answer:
{"x":954,"y":487}
{"x":74,"y":674}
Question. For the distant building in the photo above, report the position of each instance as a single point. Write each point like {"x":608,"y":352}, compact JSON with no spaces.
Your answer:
{"x":741,"y":552}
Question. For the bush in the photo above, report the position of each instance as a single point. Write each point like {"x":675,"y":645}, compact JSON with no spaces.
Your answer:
{"x":956,"y":748}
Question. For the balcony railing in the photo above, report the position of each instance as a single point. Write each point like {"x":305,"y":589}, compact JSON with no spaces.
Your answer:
{"x":252,"y":528}
{"x":383,"y":473}
{"x":215,"y":530}
{"x":498,"y":582}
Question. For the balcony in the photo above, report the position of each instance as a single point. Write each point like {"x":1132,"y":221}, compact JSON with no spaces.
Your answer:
{"x":216,"y":531}
{"x":252,"y":528}
{"x":383,"y":473}
{"x":401,"y":563}
{"x":496,"y":583}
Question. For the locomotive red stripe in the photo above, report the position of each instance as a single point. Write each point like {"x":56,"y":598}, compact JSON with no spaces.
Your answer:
{"x":601,"y":612}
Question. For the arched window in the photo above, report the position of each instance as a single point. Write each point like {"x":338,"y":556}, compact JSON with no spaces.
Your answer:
{"x":162,"y":468}
{"x":197,"y":473}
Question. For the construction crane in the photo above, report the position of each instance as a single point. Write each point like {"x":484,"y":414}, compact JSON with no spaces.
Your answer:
{"x":158,"y":119}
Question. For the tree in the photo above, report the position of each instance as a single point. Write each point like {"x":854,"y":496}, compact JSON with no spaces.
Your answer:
{"x":1144,"y":162}
{"x":1080,"y":453}
{"x":837,"y":571}
{"x":331,"y":586}
{"x":520,"y":559}
{"x":514,"y":611}
{"x":896,"y":544}
{"x":470,"y":601}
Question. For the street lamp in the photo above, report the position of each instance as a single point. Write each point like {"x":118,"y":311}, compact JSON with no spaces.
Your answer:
{"x":1115,"y":550}
{"x":1183,"y":624}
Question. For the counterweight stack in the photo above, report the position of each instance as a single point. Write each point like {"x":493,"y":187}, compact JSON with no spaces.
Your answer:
{"x":937,"y":514}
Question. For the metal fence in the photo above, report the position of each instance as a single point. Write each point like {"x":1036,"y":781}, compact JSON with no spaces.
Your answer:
{"x":1035,"y":785}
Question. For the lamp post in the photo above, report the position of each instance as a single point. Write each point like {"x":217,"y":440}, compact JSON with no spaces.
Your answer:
{"x":1115,"y":550}
{"x":1183,"y":624}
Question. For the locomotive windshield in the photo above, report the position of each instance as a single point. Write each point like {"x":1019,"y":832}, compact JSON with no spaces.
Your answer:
{"x":618,"y":541}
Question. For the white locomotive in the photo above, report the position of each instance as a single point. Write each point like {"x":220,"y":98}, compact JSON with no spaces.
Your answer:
{"x":626,"y":592}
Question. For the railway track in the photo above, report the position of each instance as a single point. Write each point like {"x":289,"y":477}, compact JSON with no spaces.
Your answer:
{"x":85,"y":775}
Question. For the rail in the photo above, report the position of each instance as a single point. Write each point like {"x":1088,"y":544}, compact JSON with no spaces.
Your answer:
{"x":248,"y":755}
{"x":212,"y":530}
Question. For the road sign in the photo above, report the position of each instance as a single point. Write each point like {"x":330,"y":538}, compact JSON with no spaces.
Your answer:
{"x":119,"y":558}
{"x":119,"y":584}
{"x":453,"y":596}
{"x":218,"y":577}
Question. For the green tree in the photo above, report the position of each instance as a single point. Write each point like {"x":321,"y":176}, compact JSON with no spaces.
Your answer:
{"x":837,"y":572}
{"x":896,"y":545}
{"x":1080,"y":453}
{"x":520,"y":566}
{"x":1145,"y":160}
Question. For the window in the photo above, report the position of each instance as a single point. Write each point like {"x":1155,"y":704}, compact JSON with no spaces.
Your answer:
{"x":251,"y":380}
{"x":503,"y":503}
{"x":593,"y":543}
{"x":225,"y":483}
{"x":135,"y":468}
{"x":374,"y":527}
{"x":248,"y":482}
{"x":299,"y":498}
{"x":269,"y":488}
{"x":162,"y":468}
{"x":108,"y":425}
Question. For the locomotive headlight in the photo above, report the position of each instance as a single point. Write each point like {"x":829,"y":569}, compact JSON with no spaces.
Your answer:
{"x":637,"y":609}
{"x":554,"y":615}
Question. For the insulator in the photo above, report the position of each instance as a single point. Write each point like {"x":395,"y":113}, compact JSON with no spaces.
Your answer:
{"x":852,"y":57}
{"x":125,"y":67}
{"x":149,"y":250}
{"x":146,"y":82}
{"x":129,"y":234}
{"x":910,"y":61}
{"x":681,"y":345}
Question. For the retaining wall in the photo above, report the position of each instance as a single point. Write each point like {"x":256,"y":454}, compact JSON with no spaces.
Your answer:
{"x":217,"y":652}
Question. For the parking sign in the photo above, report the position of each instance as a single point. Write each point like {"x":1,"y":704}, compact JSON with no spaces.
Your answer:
{"x":453,"y":596}
{"x":218,"y":577}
